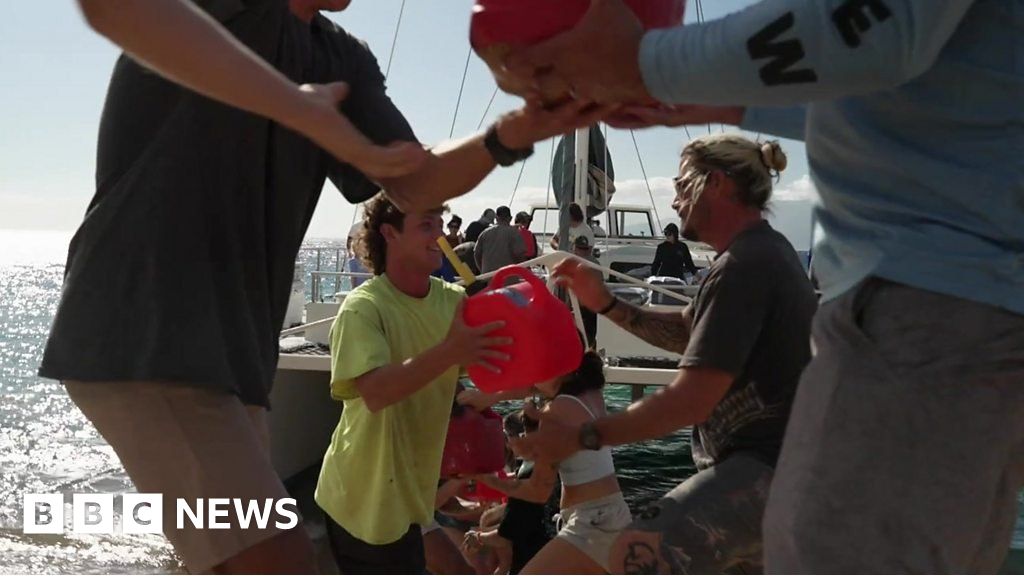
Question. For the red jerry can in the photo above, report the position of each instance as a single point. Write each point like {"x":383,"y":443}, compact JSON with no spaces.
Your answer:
{"x":475,"y":444}
{"x":545,"y":342}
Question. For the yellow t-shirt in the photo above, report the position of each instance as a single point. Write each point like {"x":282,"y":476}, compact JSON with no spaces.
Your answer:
{"x":380,"y":472}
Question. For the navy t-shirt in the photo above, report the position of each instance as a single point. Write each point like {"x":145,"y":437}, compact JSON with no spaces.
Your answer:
{"x":182,"y":268}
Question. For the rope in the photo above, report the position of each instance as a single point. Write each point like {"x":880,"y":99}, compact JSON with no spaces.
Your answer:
{"x":465,"y":72}
{"x":394,"y":40}
{"x":518,"y":178}
{"x":488,"y":109}
{"x":643,"y":171}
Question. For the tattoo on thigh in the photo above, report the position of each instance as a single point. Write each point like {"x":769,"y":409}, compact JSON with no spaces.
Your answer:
{"x":640,"y":559}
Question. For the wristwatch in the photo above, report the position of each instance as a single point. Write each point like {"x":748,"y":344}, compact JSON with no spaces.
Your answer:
{"x":589,"y":437}
{"x":503,"y":155}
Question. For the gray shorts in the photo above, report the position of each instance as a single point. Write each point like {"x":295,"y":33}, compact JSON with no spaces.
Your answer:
{"x":905,"y":448}
{"x":709,"y":524}
{"x":593,"y":526}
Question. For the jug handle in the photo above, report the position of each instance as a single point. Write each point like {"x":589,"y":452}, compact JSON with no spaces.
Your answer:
{"x":512,"y":271}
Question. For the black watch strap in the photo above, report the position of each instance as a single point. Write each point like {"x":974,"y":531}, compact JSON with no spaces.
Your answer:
{"x":503,"y":155}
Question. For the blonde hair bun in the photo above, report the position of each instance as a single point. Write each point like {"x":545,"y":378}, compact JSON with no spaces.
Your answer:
{"x":773,"y":156}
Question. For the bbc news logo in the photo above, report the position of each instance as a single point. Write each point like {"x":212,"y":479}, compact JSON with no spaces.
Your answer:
{"x":144,"y":513}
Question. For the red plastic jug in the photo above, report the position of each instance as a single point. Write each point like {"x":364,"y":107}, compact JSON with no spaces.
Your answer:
{"x":545,"y":342}
{"x":475,"y":444}
{"x":498,"y":26}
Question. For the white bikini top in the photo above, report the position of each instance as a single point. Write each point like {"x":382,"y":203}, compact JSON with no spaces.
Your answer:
{"x":586,"y":465}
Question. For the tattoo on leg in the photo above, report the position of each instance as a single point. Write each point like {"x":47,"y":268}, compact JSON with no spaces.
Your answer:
{"x":640,"y":559}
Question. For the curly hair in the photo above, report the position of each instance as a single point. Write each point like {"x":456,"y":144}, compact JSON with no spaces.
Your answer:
{"x":370,"y":245}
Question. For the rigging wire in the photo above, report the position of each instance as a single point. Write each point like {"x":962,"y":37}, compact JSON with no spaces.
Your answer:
{"x":458,"y":101}
{"x":394,"y":40}
{"x":515,"y":189}
{"x":391,"y":57}
{"x":488,"y":109}
{"x":643,"y":171}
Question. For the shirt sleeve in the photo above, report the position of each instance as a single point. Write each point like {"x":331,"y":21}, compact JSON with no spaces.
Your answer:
{"x":789,"y":122}
{"x":783,"y":52}
{"x":371,"y":110}
{"x":358,"y":346}
{"x":728,"y":317}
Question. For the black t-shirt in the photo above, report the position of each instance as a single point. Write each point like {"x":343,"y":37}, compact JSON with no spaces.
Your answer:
{"x":672,"y":259}
{"x":474,"y":230}
{"x":182,"y":269}
{"x":751,"y":318}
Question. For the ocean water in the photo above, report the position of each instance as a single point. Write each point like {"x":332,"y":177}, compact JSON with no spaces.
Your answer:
{"x":47,"y":446}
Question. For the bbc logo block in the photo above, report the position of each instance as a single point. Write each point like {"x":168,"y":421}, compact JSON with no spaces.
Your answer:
{"x":93,"y":514}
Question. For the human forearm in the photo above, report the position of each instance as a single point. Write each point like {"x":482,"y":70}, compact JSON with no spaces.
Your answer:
{"x":666,"y":329}
{"x":532,"y":489}
{"x":393,"y":383}
{"x":453,"y":169}
{"x":687,"y":401}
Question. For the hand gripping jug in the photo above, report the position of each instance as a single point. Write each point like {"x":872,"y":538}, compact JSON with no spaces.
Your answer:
{"x":545,"y":342}
{"x":498,"y":26}
{"x":475,"y":444}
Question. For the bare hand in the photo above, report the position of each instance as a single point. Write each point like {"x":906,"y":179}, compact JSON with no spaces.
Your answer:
{"x":476,"y":399}
{"x":333,"y":132}
{"x":553,"y":441}
{"x":595,"y":61}
{"x":683,"y":114}
{"x":467,"y":345}
{"x":534,"y":123}
{"x":585,"y":282}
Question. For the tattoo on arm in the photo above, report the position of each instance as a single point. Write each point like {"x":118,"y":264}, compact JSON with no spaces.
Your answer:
{"x":668,"y":330}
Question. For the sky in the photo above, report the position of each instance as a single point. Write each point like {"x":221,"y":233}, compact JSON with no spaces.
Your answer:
{"x":54,"y":72}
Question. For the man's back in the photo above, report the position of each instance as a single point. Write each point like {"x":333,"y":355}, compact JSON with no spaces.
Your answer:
{"x":499,"y":246}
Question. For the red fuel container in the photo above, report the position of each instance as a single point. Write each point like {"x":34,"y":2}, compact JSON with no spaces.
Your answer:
{"x":498,"y":26}
{"x":545,"y":342}
{"x":475,"y":444}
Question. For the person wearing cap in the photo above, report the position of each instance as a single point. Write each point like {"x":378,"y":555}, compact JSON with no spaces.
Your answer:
{"x":499,"y":245}
{"x":454,"y":237}
{"x":673,"y":256}
{"x":523,"y":221}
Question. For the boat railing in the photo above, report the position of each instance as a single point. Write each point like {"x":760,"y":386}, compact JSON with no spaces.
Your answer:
{"x":317,"y":276}
{"x":548,"y":261}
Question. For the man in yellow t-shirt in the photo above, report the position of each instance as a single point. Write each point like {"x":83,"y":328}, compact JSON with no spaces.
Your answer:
{"x":397,"y":347}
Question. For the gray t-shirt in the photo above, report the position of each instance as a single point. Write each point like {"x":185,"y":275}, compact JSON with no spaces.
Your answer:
{"x":499,"y":246}
{"x":182,"y":269}
{"x":751,"y":318}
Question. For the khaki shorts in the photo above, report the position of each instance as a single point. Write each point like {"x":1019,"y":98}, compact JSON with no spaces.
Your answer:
{"x":187,"y":442}
{"x":593,"y":526}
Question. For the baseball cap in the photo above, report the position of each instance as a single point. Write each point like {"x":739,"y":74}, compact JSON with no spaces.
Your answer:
{"x":582,"y":242}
